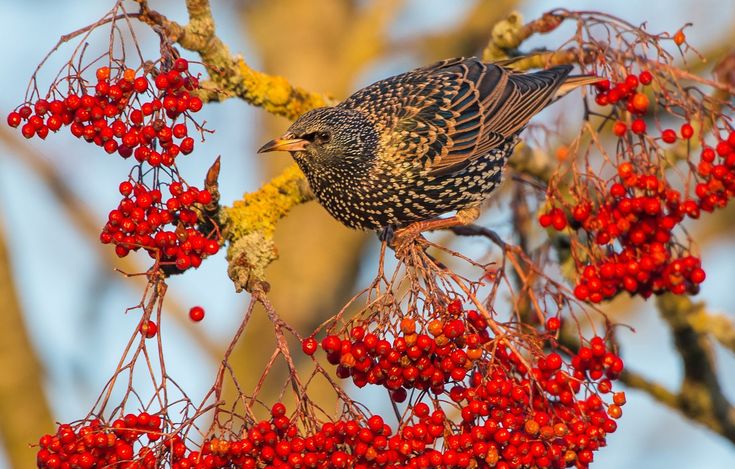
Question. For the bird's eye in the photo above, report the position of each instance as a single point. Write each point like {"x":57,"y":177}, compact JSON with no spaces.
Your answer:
{"x":323,"y":137}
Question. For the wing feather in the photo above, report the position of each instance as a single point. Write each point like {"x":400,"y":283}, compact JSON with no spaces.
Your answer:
{"x":449,"y":113}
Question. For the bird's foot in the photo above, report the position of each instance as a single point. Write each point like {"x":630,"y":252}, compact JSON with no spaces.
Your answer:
{"x":404,"y":238}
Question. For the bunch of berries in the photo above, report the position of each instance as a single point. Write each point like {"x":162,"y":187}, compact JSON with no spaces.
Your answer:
{"x":166,"y":230}
{"x":633,"y":227}
{"x":146,"y":116}
{"x":122,"y":113}
{"x":93,"y":444}
{"x":540,"y":410}
{"x":424,"y":360}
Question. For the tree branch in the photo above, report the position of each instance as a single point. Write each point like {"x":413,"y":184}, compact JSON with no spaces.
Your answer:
{"x":700,"y":390}
{"x":251,"y":222}
{"x":231,"y":75}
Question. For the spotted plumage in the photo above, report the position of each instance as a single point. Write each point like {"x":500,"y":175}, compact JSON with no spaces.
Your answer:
{"x":420,"y":144}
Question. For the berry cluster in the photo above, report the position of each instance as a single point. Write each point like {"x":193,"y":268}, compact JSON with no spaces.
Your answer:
{"x":536,"y":410}
{"x":425,"y":361}
{"x":633,"y":224}
{"x":532,"y":411}
{"x":123,"y":113}
{"x":166,"y":230}
{"x":93,"y":444}
{"x":627,"y":95}
{"x":716,"y":169}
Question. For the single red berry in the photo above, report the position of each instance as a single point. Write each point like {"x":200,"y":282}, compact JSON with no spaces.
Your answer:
{"x":126,"y":188}
{"x":619,"y":128}
{"x":309,"y":346}
{"x":687,"y":131}
{"x":28,"y":130}
{"x":14,"y":119}
{"x":697,"y":276}
{"x":161,"y":81}
{"x":196,"y":313}
{"x":545,"y":220}
{"x":140,"y":84}
{"x":195,"y":104}
{"x":187,"y":145}
{"x":640,"y":103}
{"x":638,"y":126}
{"x":553,"y":324}
{"x":148,"y":329}
{"x":211,"y":246}
{"x":181,"y":65}
{"x":602,"y":85}
{"x":668,"y":136}
{"x":25,"y":111}
{"x":645,"y":77}
{"x":631,"y":82}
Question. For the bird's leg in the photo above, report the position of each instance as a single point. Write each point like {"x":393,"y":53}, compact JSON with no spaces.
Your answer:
{"x":386,"y":234}
{"x":403,"y":237}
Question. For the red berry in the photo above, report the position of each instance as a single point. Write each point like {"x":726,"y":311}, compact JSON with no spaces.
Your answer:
{"x":638,"y":126}
{"x":687,"y":131}
{"x":126,"y":188}
{"x":619,"y":128}
{"x":181,"y":65}
{"x":28,"y":130}
{"x":309,"y":346}
{"x":196,"y":313}
{"x":697,"y":276}
{"x":195,"y":104}
{"x":645,"y":77}
{"x":640,"y":103}
{"x":161,"y":81}
{"x":25,"y":112}
{"x":14,"y":119}
{"x":148,"y":329}
{"x":553,"y":324}
{"x":668,"y":136}
{"x":140,"y":84}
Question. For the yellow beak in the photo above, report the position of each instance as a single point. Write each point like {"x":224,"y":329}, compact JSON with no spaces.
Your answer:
{"x":282,"y":144}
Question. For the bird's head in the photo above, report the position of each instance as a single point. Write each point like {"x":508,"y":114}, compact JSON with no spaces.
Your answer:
{"x":328,"y":136}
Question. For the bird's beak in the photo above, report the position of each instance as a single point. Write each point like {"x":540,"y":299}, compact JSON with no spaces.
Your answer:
{"x":284,"y":144}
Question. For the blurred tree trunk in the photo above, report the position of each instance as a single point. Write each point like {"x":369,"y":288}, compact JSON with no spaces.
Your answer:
{"x":323,"y":45}
{"x":319,"y":257}
{"x":24,"y":412}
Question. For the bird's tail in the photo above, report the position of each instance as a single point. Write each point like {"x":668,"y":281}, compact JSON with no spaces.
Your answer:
{"x":570,"y":83}
{"x":574,"y":82}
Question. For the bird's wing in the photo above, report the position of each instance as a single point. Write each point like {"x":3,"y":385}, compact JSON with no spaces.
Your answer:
{"x":448,"y":113}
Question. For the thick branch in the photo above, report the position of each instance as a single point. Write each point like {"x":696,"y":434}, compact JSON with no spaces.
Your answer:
{"x":700,"y":393}
{"x":507,"y":35}
{"x":230,"y":75}
{"x":251,"y":222}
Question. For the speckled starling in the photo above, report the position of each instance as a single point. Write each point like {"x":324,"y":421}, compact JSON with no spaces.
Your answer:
{"x":420,"y":144}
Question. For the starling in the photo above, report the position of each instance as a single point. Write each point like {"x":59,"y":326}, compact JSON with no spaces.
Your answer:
{"x":409,"y":148}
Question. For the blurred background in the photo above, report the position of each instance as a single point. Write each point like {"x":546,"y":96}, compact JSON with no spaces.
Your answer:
{"x":62,"y":306}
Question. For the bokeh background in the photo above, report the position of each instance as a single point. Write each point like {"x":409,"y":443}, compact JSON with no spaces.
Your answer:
{"x":62,"y":304}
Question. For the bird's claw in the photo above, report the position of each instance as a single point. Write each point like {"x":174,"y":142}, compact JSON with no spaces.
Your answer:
{"x":404,"y":238}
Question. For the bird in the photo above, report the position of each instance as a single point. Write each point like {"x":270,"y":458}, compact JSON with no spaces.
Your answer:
{"x":403,"y":151}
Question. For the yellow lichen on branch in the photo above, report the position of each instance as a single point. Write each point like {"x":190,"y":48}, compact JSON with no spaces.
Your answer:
{"x":251,"y":222}
{"x":508,"y":34}
{"x":230,"y":76}
{"x":275,"y":94}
